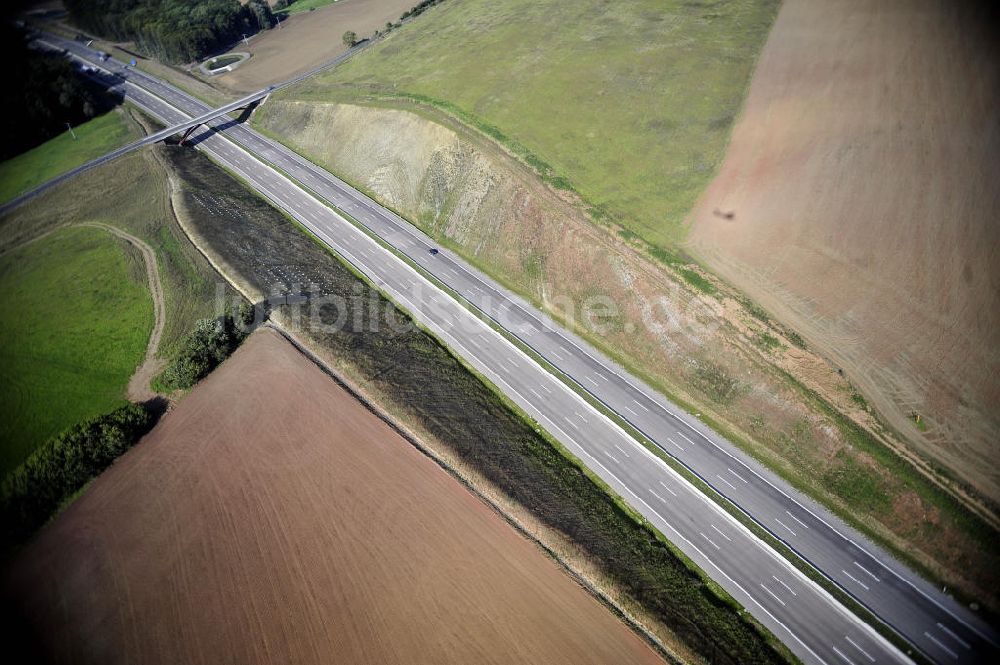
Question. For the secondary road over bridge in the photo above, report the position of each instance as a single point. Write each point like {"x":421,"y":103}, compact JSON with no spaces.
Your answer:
{"x":814,"y":625}
{"x":183,"y":126}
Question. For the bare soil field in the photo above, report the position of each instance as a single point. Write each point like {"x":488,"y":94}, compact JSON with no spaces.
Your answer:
{"x":308,"y":39}
{"x":272,"y":518}
{"x":862,"y":185}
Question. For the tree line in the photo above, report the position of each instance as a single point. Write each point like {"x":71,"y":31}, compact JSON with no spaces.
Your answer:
{"x":54,"y":472}
{"x":351,"y":38}
{"x":419,"y":9}
{"x":172,"y":30}
{"x":42,"y":93}
{"x":204,"y":348}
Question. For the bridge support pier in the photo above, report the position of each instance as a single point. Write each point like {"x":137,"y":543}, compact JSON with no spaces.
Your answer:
{"x":187,"y":134}
{"x":246,"y":106}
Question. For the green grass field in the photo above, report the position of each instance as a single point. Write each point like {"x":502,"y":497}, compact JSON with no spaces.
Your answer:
{"x":132,"y":194}
{"x":299,"y":6}
{"x":76,"y":319}
{"x":56,"y":156}
{"x":630,"y":104}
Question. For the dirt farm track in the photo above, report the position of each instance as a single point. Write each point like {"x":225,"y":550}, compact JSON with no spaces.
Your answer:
{"x":862,"y":182}
{"x":271,"y":518}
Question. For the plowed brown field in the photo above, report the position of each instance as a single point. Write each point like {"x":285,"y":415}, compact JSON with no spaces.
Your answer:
{"x":859,"y":200}
{"x":272,"y":518}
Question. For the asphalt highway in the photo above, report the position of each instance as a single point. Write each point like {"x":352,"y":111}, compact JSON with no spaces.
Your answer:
{"x":813,"y":624}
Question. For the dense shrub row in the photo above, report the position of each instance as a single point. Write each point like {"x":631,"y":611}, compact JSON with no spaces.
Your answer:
{"x":350,"y":38}
{"x":211,"y":342}
{"x":172,"y":30}
{"x":419,"y":9}
{"x":57,"y":470}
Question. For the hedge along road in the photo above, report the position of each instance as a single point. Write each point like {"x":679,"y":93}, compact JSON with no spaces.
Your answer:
{"x":811,"y":622}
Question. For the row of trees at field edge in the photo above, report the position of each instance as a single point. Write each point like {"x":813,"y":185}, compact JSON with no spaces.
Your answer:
{"x":204,"y":348}
{"x":351,"y":38}
{"x":54,"y":472}
{"x":419,"y":9}
{"x":172,"y":30}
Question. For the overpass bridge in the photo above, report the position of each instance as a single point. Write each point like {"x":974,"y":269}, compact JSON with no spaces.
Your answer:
{"x":185,"y":129}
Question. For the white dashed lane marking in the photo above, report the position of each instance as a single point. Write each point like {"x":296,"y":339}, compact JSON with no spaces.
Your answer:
{"x":773,"y":595}
{"x":858,"y":647}
{"x":664,"y":485}
{"x":856,"y":580}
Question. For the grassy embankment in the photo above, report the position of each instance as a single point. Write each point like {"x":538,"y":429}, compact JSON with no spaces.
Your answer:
{"x":632,"y":112}
{"x":629,"y":104}
{"x":77,"y":314}
{"x":424,"y":386}
{"x":76,"y":318}
{"x":62,"y":153}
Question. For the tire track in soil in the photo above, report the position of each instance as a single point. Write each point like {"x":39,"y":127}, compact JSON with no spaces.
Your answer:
{"x":139,"y":389}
